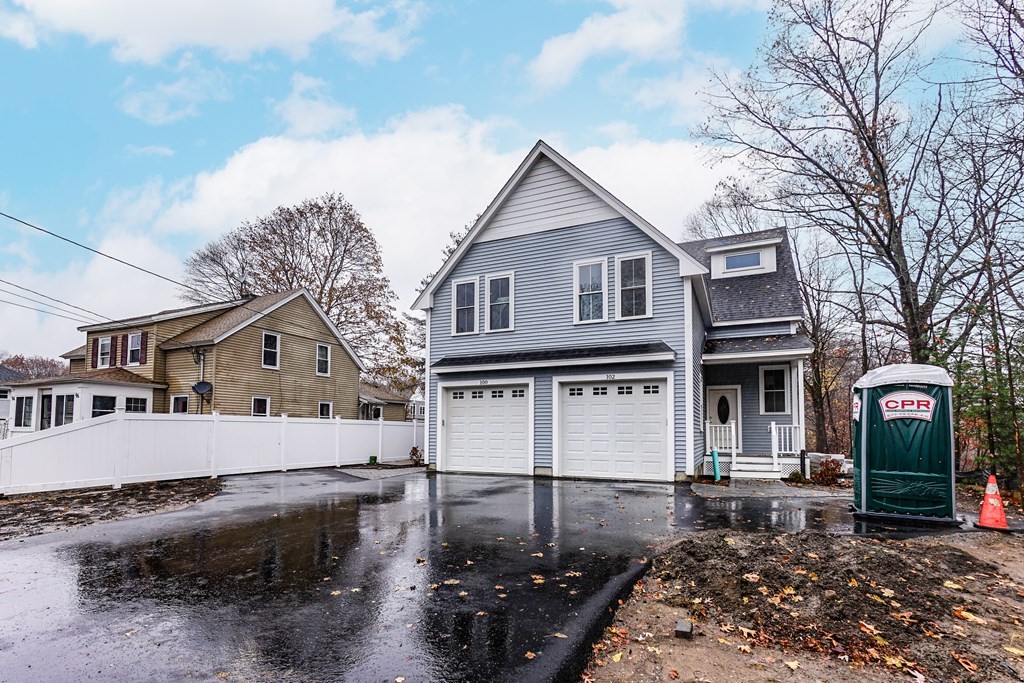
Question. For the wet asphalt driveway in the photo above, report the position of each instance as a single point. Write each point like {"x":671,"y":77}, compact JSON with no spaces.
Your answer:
{"x":317,"y":576}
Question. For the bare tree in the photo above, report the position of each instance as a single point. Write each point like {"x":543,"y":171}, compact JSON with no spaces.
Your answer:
{"x":34,"y":367}
{"x":323,"y":245}
{"x":840,"y":127}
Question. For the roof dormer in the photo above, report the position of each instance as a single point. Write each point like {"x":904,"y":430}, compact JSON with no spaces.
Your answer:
{"x":743,"y":258}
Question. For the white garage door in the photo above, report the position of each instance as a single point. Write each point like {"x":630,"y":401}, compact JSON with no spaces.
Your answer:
{"x":614,"y":430}
{"x":487,"y":429}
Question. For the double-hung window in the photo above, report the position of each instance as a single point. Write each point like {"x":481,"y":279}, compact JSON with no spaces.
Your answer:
{"x":774,"y":389}
{"x":634,"y":286}
{"x":103,"y":360}
{"x":23,"y":411}
{"x":64,"y":409}
{"x":500,"y":302}
{"x":135,"y":349}
{"x":464,"y":306}
{"x":323,"y":360}
{"x":589,"y":288}
{"x":271,"y":350}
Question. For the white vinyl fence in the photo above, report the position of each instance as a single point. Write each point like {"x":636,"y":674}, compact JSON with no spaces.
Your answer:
{"x":124,"y":448}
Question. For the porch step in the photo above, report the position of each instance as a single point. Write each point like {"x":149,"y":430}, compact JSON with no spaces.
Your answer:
{"x":755,"y":474}
{"x":753,"y":467}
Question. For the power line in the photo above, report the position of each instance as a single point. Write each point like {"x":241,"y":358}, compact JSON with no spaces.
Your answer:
{"x":37,"y":301}
{"x":12,"y":303}
{"x":146,"y":271}
{"x":94,"y":313}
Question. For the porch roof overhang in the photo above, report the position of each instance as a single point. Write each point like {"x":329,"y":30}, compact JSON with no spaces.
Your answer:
{"x":107,"y":377}
{"x":653,"y":351}
{"x":752,"y":349}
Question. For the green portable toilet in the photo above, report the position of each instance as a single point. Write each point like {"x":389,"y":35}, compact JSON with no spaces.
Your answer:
{"x":903,"y":465}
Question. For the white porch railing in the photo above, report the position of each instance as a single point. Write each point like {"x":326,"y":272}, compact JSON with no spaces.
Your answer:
{"x":786,"y":440}
{"x":721,"y":438}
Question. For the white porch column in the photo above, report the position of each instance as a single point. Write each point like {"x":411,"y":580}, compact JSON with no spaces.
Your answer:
{"x":798,"y":412}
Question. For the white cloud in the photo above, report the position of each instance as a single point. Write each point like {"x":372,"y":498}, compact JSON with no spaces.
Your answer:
{"x":681,"y":92}
{"x":149,"y":150}
{"x":309,"y":111}
{"x":179,"y":99}
{"x":641,"y":30}
{"x":18,"y":27}
{"x":234,"y":29}
{"x":425,"y":174}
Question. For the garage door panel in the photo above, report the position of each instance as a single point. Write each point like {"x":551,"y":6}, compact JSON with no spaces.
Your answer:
{"x":487,"y":430}
{"x":624,"y":433}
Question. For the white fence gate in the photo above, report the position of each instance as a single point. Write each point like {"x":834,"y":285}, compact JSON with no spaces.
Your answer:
{"x":124,"y":448}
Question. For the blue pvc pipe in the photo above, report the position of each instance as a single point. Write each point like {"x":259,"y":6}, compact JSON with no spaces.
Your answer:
{"x":714,"y":463}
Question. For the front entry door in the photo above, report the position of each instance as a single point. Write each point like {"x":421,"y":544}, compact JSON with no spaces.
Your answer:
{"x":722,"y":408}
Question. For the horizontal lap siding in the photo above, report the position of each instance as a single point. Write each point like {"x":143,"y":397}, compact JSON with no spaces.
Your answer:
{"x":756,"y":438}
{"x":543,"y":312}
{"x":295,"y":388}
{"x":696,"y":351}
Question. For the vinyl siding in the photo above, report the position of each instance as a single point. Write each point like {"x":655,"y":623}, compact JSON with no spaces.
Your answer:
{"x":180,"y":373}
{"x":394,"y":412}
{"x":75,"y":366}
{"x":295,"y":388}
{"x":543,"y":313}
{"x":758,"y":330}
{"x":756,"y":438}
{"x":698,"y":333}
{"x":547,"y":198}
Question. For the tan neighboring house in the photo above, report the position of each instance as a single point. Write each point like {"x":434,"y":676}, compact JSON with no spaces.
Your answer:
{"x":376,"y":401}
{"x":268,"y":355}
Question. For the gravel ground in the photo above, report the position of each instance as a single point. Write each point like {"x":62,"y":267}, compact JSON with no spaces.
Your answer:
{"x":39,"y":513}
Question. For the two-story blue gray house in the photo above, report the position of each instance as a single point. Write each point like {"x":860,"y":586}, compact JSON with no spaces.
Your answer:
{"x":568,"y":337}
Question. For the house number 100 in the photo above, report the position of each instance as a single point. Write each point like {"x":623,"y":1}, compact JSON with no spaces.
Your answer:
{"x":483,"y":382}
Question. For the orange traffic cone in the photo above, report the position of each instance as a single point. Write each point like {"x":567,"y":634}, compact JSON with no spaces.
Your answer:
{"x":992,"y":514}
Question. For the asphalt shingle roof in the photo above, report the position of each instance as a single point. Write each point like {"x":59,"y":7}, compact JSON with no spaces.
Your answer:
{"x":204,"y":334}
{"x":554,"y":355}
{"x":104,"y":376}
{"x":784,"y":342}
{"x":371,"y":393}
{"x":751,"y":297}
{"x":9,"y":375}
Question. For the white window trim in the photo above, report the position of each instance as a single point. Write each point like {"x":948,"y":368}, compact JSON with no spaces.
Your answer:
{"x":649,"y":270}
{"x":252,"y":406}
{"x":330,"y":415}
{"x":263,"y":345}
{"x":760,"y":261}
{"x":20,"y":413}
{"x":99,"y":352}
{"x":170,"y":404}
{"x":785,"y":382}
{"x":511,"y":275}
{"x":483,"y":383}
{"x":476,"y":305}
{"x":317,"y":360}
{"x":576,"y":265}
{"x":128,"y":351}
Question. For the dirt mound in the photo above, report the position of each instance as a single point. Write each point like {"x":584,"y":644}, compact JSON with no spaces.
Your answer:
{"x":931,"y":611}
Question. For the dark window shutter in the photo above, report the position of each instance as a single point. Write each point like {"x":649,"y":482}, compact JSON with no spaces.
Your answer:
{"x":144,"y":344}
{"x":95,"y":353}
{"x":113,"y":351}
{"x":124,"y":349}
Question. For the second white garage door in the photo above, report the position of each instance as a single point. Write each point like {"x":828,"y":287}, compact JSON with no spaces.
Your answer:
{"x":487,"y":430}
{"x":614,"y":430}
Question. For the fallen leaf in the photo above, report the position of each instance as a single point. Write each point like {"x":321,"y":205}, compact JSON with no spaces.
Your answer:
{"x":744,"y":648}
{"x":420,"y":560}
{"x":853,"y":582}
{"x":452,"y":582}
{"x":400,"y":679}
{"x":335,"y":592}
{"x":530,"y":655}
{"x":794,"y":665}
{"x":536,"y":554}
{"x":746,"y":632}
{"x":888,"y":592}
{"x":502,"y":595}
{"x":730,"y":541}
{"x":868,"y":628}
{"x":481,"y":614}
{"x":673,"y":674}
{"x":617,"y":657}
{"x":559,"y":635}
{"x":356,"y":590}
{"x":752,"y":577}
{"x":433,"y":586}
{"x":499,"y":588}
{"x":463,"y":594}
{"x":953,"y":585}
{"x":727,"y":628}
{"x":965,"y":662}
{"x":961,"y":613}
{"x":1016,"y":652}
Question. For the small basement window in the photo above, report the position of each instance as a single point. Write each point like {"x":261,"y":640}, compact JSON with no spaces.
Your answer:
{"x":179,"y":404}
{"x":325,"y":410}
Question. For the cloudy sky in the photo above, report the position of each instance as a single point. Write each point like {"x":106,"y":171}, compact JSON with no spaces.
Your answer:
{"x":145,"y":129}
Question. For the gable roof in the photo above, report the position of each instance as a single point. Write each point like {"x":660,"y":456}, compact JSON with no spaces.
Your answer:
{"x":247,"y":312}
{"x":167,"y":314}
{"x":371,"y":393}
{"x":687,"y":264}
{"x":752,"y":297}
{"x":9,"y":375}
{"x":118,"y":376}
{"x":75,"y":354}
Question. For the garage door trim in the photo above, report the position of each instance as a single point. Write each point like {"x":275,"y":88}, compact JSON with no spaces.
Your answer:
{"x":556,"y":417}
{"x":487,"y":383}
